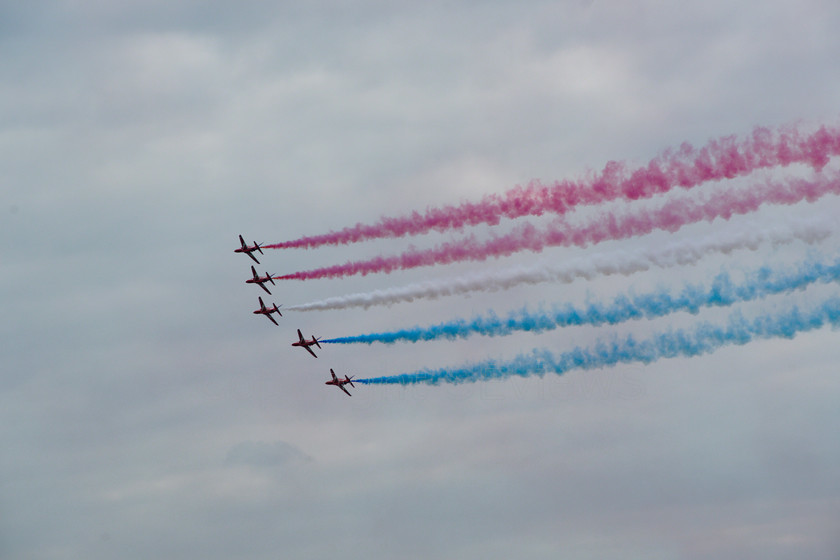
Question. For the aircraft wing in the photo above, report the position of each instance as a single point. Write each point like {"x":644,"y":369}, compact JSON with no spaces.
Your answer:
{"x":253,"y":257}
{"x":345,"y":390}
{"x":271,"y":318}
{"x":264,"y":288}
{"x":308,"y":349}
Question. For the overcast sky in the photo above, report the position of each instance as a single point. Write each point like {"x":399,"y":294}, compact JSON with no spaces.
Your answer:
{"x":145,"y":412}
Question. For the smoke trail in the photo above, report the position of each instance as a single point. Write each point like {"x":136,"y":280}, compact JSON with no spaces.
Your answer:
{"x":687,"y":167}
{"x":671,"y":216}
{"x":622,"y":262}
{"x":702,"y":339}
{"x":722,"y":292}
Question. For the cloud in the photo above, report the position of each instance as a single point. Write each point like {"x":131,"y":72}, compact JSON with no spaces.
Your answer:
{"x":262,"y":454}
{"x":147,"y":413}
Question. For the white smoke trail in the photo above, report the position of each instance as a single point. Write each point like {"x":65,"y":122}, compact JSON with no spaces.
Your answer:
{"x":622,"y":262}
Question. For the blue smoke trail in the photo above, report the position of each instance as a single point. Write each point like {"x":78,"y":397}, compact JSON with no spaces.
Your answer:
{"x":702,"y":339}
{"x":722,"y":292}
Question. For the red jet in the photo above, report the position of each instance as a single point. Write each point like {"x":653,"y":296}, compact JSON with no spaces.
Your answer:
{"x":267,"y":311}
{"x":303,"y":343}
{"x":248,"y":250}
{"x":340,"y":383}
{"x":261,"y":280}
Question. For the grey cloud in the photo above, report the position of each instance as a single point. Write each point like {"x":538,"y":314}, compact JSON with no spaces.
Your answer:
{"x":147,"y":413}
{"x":264,"y":454}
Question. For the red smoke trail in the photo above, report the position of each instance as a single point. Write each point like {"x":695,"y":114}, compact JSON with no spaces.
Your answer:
{"x":686,"y":167}
{"x":609,"y":226}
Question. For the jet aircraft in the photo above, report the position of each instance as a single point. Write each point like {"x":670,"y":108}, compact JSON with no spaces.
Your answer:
{"x":267,"y":311}
{"x":340,"y":383}
{"x":261,"y":280}
{"x":249,"y":250}
{"x":303,"y":343}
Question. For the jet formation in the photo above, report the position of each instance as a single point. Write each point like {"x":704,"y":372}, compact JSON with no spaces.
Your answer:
{"x":261,"y":281}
